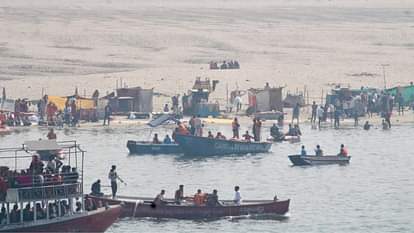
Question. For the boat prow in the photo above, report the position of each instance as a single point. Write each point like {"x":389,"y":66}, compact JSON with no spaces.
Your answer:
{"x":299,"y":160}
{"x":139,"y":147}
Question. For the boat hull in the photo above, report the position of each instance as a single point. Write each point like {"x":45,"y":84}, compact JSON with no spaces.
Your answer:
{"x":94,"y":221}
{"x":299,"y":160}
{"x":140,"y":209}
{"x":193,"y":145}
{"x":135,"y":147}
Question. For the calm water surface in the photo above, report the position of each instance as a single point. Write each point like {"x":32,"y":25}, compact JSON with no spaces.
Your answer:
{"x":374,"y":193}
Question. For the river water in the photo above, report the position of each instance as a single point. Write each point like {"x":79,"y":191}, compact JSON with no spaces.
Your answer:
{"x":374,"y":193}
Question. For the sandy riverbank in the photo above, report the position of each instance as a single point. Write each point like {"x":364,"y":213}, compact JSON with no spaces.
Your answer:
{"x":60,"y":45}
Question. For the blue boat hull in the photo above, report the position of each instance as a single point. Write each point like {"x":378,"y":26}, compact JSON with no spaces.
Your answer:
{"x":192,"y":145}
{"x":299,"y":160}
{"x":135,"y":147}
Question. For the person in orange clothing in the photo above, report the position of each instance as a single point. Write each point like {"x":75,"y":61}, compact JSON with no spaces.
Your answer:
{"x":182,"y":129}
{"x":343,"y":151}
{"x":199,"y":198}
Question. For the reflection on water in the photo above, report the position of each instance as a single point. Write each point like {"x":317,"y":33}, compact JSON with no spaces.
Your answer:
{"x":373,"y":193}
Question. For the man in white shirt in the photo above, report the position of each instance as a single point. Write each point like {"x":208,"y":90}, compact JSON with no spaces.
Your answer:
{"x":237,"y":196}
{"x":319,"y":114}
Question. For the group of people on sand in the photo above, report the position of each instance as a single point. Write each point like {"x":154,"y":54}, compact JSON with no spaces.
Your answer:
{"x":319,"y":152}
{"x":232,"y":64}
{"x":198,"y":199}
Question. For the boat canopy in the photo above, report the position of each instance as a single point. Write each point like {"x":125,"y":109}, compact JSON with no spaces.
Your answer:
{"x":42,"y":145}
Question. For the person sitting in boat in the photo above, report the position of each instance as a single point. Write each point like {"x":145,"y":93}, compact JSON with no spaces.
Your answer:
{"x":96,"y":189}
{"x":167,"y":139}
{"x":212,"y":199}
{"x":166,"y":108}
{"x":367,"y":126}
{"x":155,"y":140}
{"x":237,"y":196}
{"x":296,"y":131}
{"x":182,"y":129}
{"x":179,"y":195}
{"x":276,"y":134}
{"x":247,"y":137}
{"x":220,"y":136}
{"x":290,"y":131}
{"x":159,"y":199}
{"x":303,"y":151}
{"x":199,"y":198}
{"x":318,"y":151}
{"x":343,"y":151}
{"x":51,"y":135}
{"x":210,"y":135}
{"x":36,"y":166}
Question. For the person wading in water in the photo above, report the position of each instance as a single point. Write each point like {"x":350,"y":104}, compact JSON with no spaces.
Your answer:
{"x":113,"y":177}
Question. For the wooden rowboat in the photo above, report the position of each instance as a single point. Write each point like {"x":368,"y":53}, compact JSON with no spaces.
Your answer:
{"x":194,"y":145}
{"x":139,"y":147}
{"x":143,"y":207}
{"x":299,"y":160}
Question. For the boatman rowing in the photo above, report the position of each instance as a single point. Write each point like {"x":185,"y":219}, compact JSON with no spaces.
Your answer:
{"x":113,"y":177}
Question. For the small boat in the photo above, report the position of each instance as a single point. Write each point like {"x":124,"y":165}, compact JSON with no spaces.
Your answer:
{"x":194,"y":145}
{"x":144,"y":207}
{"x":299,"y":160}
{"x":141,"y":147}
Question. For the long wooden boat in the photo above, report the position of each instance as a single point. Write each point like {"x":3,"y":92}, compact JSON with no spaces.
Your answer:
{"x":89,"y":221}
{"x":194,"y":145}
{"x":143,"y":207}
{"x":299,"y":160}
{"x":140,"y":147}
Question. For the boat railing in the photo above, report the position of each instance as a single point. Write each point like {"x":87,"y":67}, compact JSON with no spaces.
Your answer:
{"x":50,"y":192}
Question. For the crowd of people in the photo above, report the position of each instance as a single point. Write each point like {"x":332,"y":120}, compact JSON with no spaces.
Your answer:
{"x":232,"y":64}
{"x":198,"y":199}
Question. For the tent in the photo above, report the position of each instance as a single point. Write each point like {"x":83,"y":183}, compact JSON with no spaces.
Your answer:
{"x":407,"y":92}
{"x":81,"y":103}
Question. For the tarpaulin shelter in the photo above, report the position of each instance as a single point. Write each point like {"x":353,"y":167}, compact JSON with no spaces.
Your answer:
{"x":407,"y":92}
{"x":81,"y":103}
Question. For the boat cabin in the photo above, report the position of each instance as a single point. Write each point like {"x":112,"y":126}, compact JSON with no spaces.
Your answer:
{"x":41,"y":181}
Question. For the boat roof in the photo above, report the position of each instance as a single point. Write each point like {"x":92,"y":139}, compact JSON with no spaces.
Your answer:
{"x":42,"y":145}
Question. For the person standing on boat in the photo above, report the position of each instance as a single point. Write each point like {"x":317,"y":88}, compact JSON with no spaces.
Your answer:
{"x":237,"y":196}
{"x":192,"y":126}
{"x":198,"y":127}
{"x":257,"y":126}
{"x":155,"y":140}
{"x":318,"y":151}
{"x":235,"y":127}
{"x":113,"y":177}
